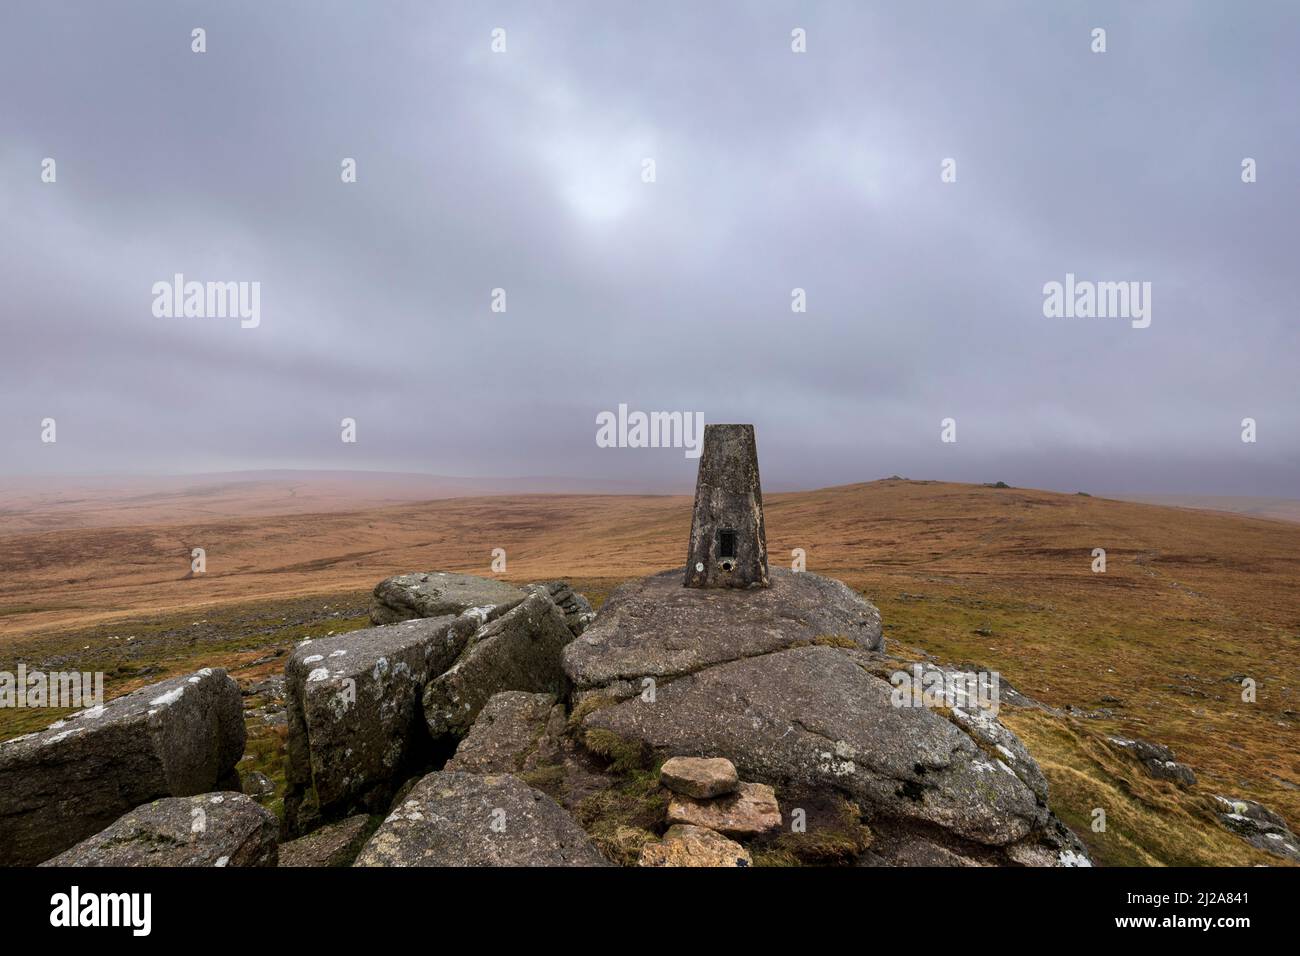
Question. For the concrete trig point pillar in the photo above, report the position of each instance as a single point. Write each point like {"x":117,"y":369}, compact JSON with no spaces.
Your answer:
{"x":728,"y":546}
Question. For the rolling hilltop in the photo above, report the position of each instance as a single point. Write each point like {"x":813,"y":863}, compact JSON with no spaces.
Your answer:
{"x":1155,"y":648}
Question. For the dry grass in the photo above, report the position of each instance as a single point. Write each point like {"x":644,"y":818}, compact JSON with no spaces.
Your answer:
{"x":1001,"y":578}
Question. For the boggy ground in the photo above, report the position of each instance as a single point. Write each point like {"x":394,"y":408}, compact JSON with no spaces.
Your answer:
{"x":999,"y":579}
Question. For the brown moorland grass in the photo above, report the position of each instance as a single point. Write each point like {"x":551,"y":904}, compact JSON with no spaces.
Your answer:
{"x":1191,"y":603}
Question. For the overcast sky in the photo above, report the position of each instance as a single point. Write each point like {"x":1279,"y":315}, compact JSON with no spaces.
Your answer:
{"x":774,"y":170}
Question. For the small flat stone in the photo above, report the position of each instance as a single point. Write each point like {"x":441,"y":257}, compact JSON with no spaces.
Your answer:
{"x":752,"y":809}
{"x":686,"y":845}
{"x":700,"y":777}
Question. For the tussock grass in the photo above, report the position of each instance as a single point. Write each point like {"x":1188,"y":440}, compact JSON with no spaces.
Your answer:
{"x":1148,"y":822}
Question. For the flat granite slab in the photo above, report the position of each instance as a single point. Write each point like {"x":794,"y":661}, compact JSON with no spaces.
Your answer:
{"x":811,"y":719}
{"x":654,"y":627}
{"x":437,"y":593}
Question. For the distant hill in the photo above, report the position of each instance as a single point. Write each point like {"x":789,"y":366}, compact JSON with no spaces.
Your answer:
{"x":1281,"y":509}
{"x":47,"y":503}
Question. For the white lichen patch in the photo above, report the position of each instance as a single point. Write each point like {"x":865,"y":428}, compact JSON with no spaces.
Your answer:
{"x":479,"y":614}
{"x":835,"y":764}
{"x":1070,"y":858}
{"x":171,"y":697}
{"x":313,"y":658}
{"x":411,"y":811}
{"x":1237,"y":807}
{"x":319,"y":674}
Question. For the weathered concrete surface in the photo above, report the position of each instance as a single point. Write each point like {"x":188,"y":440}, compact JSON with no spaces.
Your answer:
{"x":728,"y":497}
{"x":212,"y":829}
{"x":176,"y":738}
{"x":654,"y":627}
{"x":810,"y":718}
{"x":335,"y":844}
{"x":685,"y":845}
{"x":353,"y":702}
{"x":467,"y":819}
{"x":514,"y":731}
{"x":520,"y":650}
{"x":437,"y":594}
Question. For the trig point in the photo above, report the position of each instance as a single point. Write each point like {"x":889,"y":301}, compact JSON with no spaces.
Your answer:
{"x":728,"y":546}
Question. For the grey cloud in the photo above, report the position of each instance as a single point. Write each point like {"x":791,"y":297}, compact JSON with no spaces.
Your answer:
{"x":774,"y":171}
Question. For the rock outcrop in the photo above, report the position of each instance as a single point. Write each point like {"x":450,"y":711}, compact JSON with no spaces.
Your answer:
{"x":1259,"y":826}
{"x":437,"y":594}
{"x":466,"y":819}
{"x":577,"y":609}
{"x":354,"y":710}
{"x":355,"y":723}
{"x":520,"y":650}
{"x":176,"y":738}
{"x":812,"y":718}
{"x":653,"y":627}
{"x":213,"y":829}
{"x":515,"y":731}
{"x":1157,"y":760}
{"x":371,"y":708}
